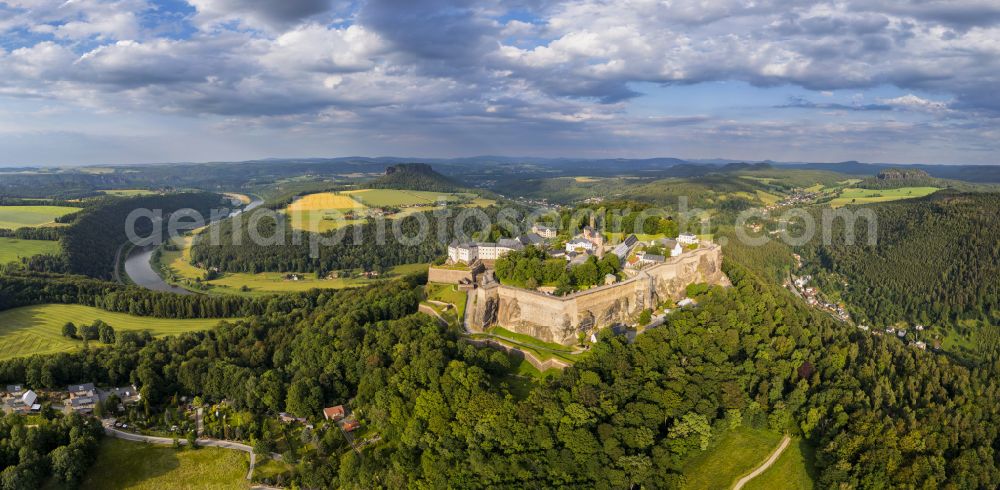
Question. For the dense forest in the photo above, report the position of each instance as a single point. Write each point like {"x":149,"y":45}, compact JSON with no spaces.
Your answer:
{"x":91,"y":243}
{"x":937,"y":260}
{"x":879,"y":413}
{"x":52,"y":446}
{"x":28,"y":233}
{"x":352,"y":247}
{"x":19,"y":289}
{"x":414,"y":176}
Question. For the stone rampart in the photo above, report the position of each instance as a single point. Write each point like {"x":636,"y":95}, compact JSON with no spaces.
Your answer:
{"x":562,"y":318}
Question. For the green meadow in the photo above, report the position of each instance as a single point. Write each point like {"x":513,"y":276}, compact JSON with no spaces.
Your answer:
{"x":14,"y":217}
{"x":13,"y":249}
{"x":38,"y":329}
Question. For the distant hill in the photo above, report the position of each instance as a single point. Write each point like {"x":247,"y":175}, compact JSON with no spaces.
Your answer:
{"x":895,"y":178}
{"x":414,"y":176}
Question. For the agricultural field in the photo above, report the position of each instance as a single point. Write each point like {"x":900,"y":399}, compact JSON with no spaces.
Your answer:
{"x":12,"y":249}
{"x":242,"y":198}
{"x":323,"y":211}
{"x":14,"y":217}
{"x":140,"y":466}
{"x":37,"y":329}
{"x":733,"y":453}
{"x":854,"y":195}
{"x":327,"y":211}
{"x":325,"y":201}
{"x":183,"y":273}
{"x":792,"y":471}
{"x":401,"y":198}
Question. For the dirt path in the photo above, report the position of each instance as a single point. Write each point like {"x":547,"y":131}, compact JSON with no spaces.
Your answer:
{"x":767,"y":464}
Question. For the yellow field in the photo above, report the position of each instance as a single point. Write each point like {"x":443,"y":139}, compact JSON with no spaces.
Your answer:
{"x":38,"y":329}
{"x":128,"y":192}
{"x":242,"y":198}
{"x":260,"y":284}
{"x":325,"y":201}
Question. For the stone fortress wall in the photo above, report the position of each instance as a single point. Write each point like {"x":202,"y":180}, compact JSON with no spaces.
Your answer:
{"x":560,"y":319}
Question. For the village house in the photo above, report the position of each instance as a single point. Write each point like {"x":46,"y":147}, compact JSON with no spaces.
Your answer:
{"x":82,"y":398}
{"x":531,"y":239}
{"x":623,"y":249}
{"x":127,"y":395}
{"x":334,"y":413}
{"x":20,"y":402}
{"x":350,"y":425}
{"x":544,"y":231}
{"x":579,"y":244}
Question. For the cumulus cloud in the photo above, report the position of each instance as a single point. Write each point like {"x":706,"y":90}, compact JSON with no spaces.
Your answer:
{"x":562,"y":68}
{"x":267,"y":14}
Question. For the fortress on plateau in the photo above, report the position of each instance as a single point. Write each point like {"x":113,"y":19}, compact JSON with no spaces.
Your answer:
{"x":561,"y":319}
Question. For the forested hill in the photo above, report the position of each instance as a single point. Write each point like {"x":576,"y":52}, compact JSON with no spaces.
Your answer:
{"x":358,"y":247}
{"x":880,"y":414}
{"x":414,"y":176}
{"x":90,"y":244}
{"x":937,"y":259}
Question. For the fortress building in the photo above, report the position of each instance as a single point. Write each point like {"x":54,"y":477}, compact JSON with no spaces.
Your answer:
{"x":562,"y":318}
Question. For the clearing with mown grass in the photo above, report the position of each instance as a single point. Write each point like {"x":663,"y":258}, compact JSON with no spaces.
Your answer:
{"x":792,"y":471}
{"x":853,"y":195}
{"x":140,"y":466}
{"x":13,"y":249}
{"x":14,"y":217}
{"x":733,"y":454}
{"x":37,"y":329}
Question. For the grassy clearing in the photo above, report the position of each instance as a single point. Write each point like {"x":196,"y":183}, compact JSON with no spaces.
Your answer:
{"x":182,"y":271}
{"x":448,"y":293}
{"x":12,"y":249}
{"x":541,"y":349}
{"x":585,"y":180}
{"x":854,"y":195}
{"x":14,"y":217}
{"x":732,"y":454}
{"x":38,"y":329}
{"x":792,"y":471}
{"x":140,"y":466}
{"x":127,"y":192}
{"x":271,"y":469}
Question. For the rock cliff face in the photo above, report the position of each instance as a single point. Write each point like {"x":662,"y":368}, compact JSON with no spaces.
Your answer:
{"x":562,"y":319}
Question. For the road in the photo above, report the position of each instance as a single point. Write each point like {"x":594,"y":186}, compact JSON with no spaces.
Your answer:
{"x":767,"y":464}
{"x":206,"y":442}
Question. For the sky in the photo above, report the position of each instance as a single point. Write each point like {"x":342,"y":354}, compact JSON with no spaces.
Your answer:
{"x":136,"y":81}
